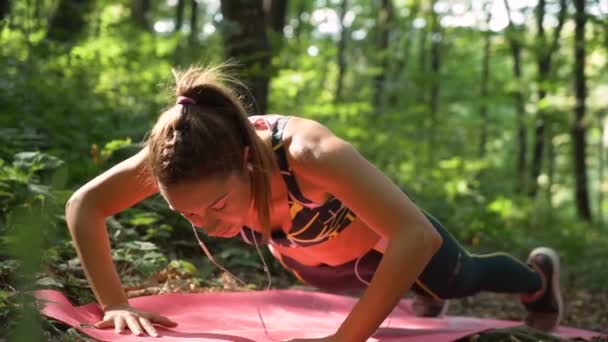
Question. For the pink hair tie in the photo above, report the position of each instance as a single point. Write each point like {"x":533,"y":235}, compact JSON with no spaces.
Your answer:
{"x":184,"y":100}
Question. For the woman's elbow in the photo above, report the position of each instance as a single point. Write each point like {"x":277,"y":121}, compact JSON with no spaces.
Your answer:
{"x":422,"y":236}
{"x":435,"y":240}
{"x":71,"y":208}
{"x":431,"y":238}
{"x":74,"y":207}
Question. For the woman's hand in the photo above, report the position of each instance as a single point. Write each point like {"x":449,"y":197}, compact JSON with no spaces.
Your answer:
{"x":331,"y":338}
{"x":136,"y":320}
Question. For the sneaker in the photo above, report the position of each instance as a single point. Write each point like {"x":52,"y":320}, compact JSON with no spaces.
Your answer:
{"x":545,"y":307}
{"x":427,"y":306}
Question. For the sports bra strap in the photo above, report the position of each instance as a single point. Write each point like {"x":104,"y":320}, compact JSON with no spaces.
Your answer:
{"x":279,"y":149}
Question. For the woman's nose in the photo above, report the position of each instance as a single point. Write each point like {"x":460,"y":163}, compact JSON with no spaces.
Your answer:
{"x":209,"y":223}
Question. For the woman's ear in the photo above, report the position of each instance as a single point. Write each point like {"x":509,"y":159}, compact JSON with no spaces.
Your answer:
{"x":246,"y":162}
{"x":246,"y":153}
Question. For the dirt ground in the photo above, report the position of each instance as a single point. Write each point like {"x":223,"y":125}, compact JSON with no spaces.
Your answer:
{"x":582,"y":309}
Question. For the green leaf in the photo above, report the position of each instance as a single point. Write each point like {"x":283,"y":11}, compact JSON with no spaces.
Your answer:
{"x":139,"y":245}
{"x":144,"y":219}
{"x":183,"y":266}
{"x":36,"y":161}
{"x":48,"y":281}
{"x":115,"y":145}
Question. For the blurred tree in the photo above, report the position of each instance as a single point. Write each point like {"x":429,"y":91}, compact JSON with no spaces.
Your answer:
{"x":579,"y":126}
{"x":179,"y":15}
{"x":5,"y":8}
{"x":384,"y":24}
{"x":404,"y":54}
{"x":601,"y":22}
{"x":193,"y":22}
{"x":515,"y":35}
{"x":436,"y":39}
{"x":140,"y":12}
{"x":544,"y":58}
{"x":422,"y":67}
{"x":602,"y":166}
{"x":485,"y":77}
{"x":69,"y":20}
{"x":246,"y":42}
{"x":276,"y":13}
{"x":301,"y":7}
{"x":341,"y":52}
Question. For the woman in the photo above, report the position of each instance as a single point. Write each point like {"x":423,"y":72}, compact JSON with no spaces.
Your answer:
{"x":326,"y":213}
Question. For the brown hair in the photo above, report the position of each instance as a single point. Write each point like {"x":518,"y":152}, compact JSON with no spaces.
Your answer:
{"x":208,"y":138}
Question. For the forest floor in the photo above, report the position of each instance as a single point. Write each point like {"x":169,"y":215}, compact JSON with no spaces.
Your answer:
{"x":583,"y":309}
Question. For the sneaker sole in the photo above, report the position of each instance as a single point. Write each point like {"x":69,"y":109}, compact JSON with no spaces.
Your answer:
{"x":554,"y":278}
{"x":443,"y":311}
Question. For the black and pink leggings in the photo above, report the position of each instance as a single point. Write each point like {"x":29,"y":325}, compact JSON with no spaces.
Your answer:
{"x":452,"y":272}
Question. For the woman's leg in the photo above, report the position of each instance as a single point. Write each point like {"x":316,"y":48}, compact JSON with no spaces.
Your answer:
{"x":451,"y":273}
{"x":454,"y":273}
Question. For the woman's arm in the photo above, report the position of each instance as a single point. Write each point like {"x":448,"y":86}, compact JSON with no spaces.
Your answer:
{"x":114,"y":190}
{"x":333,"y":164}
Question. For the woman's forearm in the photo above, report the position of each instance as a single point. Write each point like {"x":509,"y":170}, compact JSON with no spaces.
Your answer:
{"x":404,"y":259}
{"x":90,"y":237}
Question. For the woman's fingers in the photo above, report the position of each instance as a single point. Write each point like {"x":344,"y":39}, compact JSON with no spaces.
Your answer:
{"x":133,"y":324}
{"x":162,"y":320}
{"x":106,"y":323}
{"x":136,"y":321}
{"x":145,"y":323}
{"x":119,"y":325}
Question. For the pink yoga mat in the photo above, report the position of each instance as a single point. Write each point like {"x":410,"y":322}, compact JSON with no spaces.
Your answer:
{"x":266,"y":316}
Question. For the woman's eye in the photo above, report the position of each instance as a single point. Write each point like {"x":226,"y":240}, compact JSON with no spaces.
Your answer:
{"x":220,"y":206}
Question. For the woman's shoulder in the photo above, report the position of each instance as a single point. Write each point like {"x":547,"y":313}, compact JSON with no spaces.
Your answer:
{"x":306,"y":139}
{"x":266,"y":122}
{"x":302,"y":138}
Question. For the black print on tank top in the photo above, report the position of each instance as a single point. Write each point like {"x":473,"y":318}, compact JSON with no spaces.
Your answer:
{"x":311,"y":226}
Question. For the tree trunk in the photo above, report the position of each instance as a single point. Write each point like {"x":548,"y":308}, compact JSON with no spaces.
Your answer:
{"x":601,"y":161}
{"x":140,"y":12}
{"x":384,"y":26}
{"x":436,"y":37}
{"x":341,"y":53}
{"x":5,"y":9}
{"x":179,"y":15}
{"x":246,"y":42}
{"x":398,"y":73}
{"x":550,"y":164}
{"x":544,"y":56}
{"x":193,"y":38}
{"x":422,"y":65}
{"x":276,"y":12}
{"x":37,"y":9}
{"x":539,"y":125}
{"x":69,"y":20}
{"x":485,"y":77}
{"x":514,"y":39}
{"x":299,"y":11}
{"x":578,"y":131}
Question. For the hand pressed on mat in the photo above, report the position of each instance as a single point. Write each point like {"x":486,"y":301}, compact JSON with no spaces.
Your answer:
{"x":137,"y":321}
{"x":322,"y":339}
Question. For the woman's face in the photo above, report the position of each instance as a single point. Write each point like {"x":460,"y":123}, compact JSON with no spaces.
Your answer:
{"x":220,"y":206}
